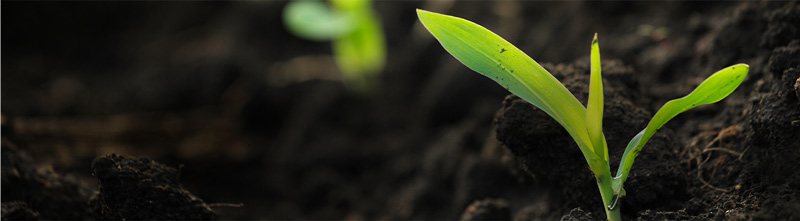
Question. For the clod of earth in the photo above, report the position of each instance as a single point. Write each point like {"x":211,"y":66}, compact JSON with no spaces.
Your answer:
{"x":130,"y":185}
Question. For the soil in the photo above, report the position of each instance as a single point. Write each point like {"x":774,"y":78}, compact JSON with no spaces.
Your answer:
{"x":212,"y":110}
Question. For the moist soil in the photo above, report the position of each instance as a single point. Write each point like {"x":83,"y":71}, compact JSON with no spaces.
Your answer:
{"x":211,"y":110}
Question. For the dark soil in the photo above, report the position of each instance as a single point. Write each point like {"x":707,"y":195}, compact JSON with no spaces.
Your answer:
{"x":204,"y":110}
{"x":129,"y":186}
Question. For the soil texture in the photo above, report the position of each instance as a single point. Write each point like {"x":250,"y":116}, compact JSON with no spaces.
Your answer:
{"x":212,"y":110}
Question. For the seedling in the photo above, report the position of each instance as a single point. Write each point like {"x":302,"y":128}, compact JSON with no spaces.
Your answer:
{"x":494,"y":57}
{"x":358,"y":41}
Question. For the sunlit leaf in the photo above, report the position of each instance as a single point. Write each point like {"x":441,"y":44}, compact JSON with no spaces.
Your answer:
{"x":494,"y":57}
{"x":594,"y":107}
{"x":713,"y":89}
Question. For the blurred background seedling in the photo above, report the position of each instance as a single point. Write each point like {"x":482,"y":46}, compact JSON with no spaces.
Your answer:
{"x":353,"y":28}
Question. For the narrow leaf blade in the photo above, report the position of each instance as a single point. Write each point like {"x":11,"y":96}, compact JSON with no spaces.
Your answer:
{"x":594,"y":107}
{"x":494,"y":57}
{"x":715,"y":88}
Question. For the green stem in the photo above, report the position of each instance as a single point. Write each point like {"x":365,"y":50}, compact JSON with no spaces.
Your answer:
{"x":603,"y":176}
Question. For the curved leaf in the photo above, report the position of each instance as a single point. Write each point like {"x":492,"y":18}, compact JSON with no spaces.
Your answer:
{"x":713,"y":89}
{"x":494,"y":57}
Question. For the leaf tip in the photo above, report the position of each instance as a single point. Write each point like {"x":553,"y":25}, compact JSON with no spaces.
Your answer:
{"x":594,"y":41}
{"x":424,"y":16}
{"x":740,"y":67}
{"x":423,"y":12}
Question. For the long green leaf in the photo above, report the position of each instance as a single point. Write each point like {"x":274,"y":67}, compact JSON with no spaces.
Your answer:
{"x":494,"y":57}
{"x":594,"y":107}
{"x":713,"y":89}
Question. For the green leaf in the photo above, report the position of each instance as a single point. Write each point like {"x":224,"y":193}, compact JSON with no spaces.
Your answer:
{"x":361,"y":54}
{"x":713,"y":89}
{"x":350,"y":5}
{"x":313,"y":20}
{"x":494,"y":57}
{"x":594,"y":107}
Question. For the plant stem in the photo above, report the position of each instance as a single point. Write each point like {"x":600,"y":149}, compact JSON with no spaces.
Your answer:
{"x":602,"y":174}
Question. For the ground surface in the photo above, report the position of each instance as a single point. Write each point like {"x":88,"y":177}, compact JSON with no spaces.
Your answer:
{"x":215,"y":111}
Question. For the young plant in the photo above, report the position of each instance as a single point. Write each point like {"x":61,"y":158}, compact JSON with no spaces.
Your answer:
{"x":358,"y":41}
{"x":492,"y":56}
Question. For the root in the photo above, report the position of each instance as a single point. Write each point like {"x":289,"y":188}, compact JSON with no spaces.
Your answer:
{"x":707,"y":184}
{"x":723,"y":150}
{"x":236,"y":205}
{"x":697,"y":150}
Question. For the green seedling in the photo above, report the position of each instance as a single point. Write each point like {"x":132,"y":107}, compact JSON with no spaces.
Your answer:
{"x":353,"y":28}
{"x":494,"y":57}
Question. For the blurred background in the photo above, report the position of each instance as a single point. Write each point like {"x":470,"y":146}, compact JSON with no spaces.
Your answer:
{"x":259,"y":116}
